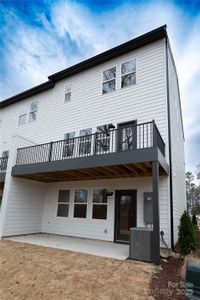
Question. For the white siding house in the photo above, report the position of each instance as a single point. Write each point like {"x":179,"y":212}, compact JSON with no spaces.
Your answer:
{"x":86,"y":146}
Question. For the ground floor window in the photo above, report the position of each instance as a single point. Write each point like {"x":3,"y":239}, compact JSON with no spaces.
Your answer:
{"x":99,"y":210}
{"x":63,"y":203}
{"x":80,"y":203}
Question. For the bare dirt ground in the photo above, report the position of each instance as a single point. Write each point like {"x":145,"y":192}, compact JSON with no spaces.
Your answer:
{"x":35,"y":272}
{"x":167,"y":283}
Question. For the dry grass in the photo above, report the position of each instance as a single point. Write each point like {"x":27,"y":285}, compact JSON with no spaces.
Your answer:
{"x":35,"y":272}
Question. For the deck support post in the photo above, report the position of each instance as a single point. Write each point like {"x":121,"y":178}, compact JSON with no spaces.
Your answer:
{"x":155,"y":247}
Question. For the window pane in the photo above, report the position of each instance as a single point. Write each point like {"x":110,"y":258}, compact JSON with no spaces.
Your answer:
{"x":128,"y":66}
{"x":68,"y":88}
{"x":63,"y":210}
{"x":128,"y":79}
{"x":5,"y":153}
{"x":32,"y":116}
{"x":87,"y":131}
{"x":102,"y":143}
{"x":85,"y":147}
{"x":109,"y":74}
{"x":80,"y":210}
{"x":23,"y":110}
{"x":99,"y":212}
{"x":22,"y":120}
{"x":68,"y":147}
{"x":34,"y":106}
{"x":100,"y":195}
{"x":102,"y":139}
{"x":127,"y":138}
{"x":85,"y":141}
{"x":63,"y":196}
{"x":69,"y":135}
{"x":81,"y":195}
{"x":108,"y":87}
{"x":67,"y":97}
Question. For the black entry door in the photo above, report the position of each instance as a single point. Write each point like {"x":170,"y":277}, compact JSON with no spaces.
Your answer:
{"x":125,"y":214}
{"x":127,"y":136}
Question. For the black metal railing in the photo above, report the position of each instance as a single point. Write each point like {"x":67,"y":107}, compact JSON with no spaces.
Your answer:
{"x":140,"y":136}
{"x":3,"y":164}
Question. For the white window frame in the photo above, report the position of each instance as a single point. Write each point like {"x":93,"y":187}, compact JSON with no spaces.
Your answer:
{"x":82,"y":203}
{"x":97,"y":203}
{"x":121,"y":75}
{"x":23,"y":113}
{"x":104,"y":81}
{"x":68,"y":91}
{"x":33,"y":111}
{"x":65,"y":203}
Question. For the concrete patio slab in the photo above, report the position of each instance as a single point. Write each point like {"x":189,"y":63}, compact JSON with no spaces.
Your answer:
{"x":89,"y":246}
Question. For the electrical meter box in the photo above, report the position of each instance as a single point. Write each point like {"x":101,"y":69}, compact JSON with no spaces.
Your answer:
{"x":148,"y":208}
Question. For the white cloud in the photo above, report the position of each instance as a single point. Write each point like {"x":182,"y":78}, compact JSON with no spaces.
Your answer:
{"x":74,"y":33}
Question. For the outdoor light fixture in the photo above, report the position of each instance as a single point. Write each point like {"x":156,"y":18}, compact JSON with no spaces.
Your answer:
{"x":109,"y":194}
{"x":111,"y":126}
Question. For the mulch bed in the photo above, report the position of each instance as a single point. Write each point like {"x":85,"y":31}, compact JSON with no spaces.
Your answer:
{"x":167,"y":283}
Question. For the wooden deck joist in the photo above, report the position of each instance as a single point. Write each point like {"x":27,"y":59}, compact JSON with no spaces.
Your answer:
{"x":143,"y":169}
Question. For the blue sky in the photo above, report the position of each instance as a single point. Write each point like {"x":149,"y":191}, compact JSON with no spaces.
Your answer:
{"x":41,"y":37}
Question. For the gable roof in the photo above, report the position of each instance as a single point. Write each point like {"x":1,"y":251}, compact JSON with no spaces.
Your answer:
{"x":133,"y":44}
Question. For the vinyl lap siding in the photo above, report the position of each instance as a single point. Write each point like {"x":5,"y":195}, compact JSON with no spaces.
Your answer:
{"x":144,"y":101}
{"x":177,"y":148}
{"x":25,"y":207}
{"x":95,"y":229}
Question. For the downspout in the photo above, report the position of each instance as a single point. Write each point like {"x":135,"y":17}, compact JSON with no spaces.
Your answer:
{"x":170,"y":151}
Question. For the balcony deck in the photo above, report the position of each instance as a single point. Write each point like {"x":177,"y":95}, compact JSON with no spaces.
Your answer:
{"x":124,"y":152}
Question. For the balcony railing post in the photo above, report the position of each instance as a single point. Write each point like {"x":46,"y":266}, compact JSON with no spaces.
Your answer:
{"x":50,"y":150}
{"x":155,"y":141}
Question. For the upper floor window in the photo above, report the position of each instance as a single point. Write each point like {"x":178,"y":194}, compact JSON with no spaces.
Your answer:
{"x":69,"y":141}
{"x":109,"y":80}
{"x":4,"y":161}
{"x":22,"y":115}
{"x":28,"y":114}
{"x":85,"y":141}
{"x":33,"y":111}
{"x":102,"y":139}
{"x":5,"y":153}
{"x":67,"y":92}
{"x":128,"y":73}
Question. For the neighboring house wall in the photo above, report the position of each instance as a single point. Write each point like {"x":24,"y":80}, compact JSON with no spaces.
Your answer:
{"x":177,"y":147}
{"x":144,"y":101}
{"x":91,"y":228}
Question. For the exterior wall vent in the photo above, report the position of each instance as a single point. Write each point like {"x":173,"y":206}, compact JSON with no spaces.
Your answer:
{"x":140,"y":243}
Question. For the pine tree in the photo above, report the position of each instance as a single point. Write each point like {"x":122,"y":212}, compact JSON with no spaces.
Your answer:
{"x":195,"y":226}
{"x":187,"y":240}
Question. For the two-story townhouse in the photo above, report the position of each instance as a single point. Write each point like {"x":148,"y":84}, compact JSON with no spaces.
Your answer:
{"x":98,"y":148}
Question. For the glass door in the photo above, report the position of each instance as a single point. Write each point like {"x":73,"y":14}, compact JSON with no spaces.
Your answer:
{"x":125,"y":214}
